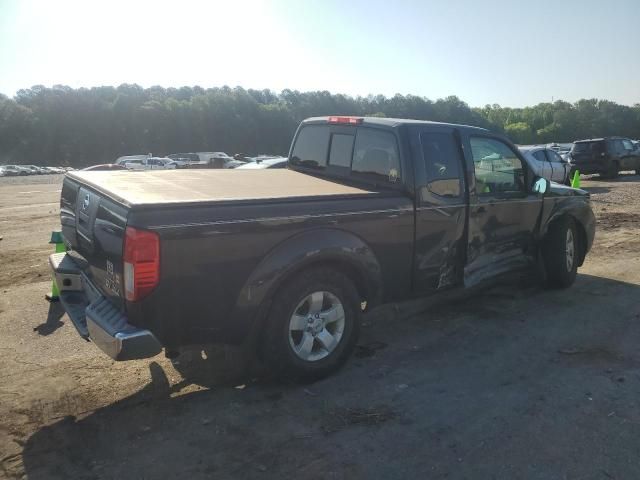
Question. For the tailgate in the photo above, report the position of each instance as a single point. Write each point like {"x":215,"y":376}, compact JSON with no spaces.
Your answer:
{"x":94,"y":227}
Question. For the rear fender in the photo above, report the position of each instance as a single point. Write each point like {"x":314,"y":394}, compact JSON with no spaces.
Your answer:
{"x":314,"y":247}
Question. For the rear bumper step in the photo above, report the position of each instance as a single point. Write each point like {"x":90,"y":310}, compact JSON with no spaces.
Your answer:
{"x":96,"y":318}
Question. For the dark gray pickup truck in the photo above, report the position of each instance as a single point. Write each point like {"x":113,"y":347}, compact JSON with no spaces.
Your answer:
{"x":370,"y":210}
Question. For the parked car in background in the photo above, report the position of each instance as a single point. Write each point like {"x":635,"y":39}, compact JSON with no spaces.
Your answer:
{"x":546,"y":163}
{"x":561,"y":149}
{"x":605,"y":156}
{"x":190,"y":157}
{"x":12,"y":171}
{"x":204,"y":160}
{"x":151,"y":163}
{"x":105,"y":167}
{"x":32,"y":169}
{"x":55,"y":170}
{"x":222,"y":160}
{"x":261,"y":163}
{"x":127,"y":158}
{"x":21,"y":169}
{"x":183,"y":160}
{"x":206,"y":156}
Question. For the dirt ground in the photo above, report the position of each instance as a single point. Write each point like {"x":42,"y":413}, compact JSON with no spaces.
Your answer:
{"x":514,"y":382}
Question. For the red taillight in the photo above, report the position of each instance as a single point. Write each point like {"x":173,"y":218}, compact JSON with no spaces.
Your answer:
{"x":141,"y":263}
{"x":347,"y":120}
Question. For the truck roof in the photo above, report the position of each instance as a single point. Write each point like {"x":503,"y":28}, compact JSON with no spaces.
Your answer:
{"x":157,"y":187}
{"x":394,"y":122}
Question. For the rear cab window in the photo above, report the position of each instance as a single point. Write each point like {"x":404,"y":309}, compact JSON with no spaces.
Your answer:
{"x":361,"y":153}
{"x":341,"y":150}
{"x":310,"y":149}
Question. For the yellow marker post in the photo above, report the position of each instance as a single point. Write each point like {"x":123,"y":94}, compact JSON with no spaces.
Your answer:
{"x":56,"y":239}
{"x":575,"y":181}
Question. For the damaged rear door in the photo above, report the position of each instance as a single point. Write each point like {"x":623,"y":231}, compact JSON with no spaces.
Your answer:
{"x":440,"y":208}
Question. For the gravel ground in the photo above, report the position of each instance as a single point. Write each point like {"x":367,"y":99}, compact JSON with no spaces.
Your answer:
{"x":514,"y":382}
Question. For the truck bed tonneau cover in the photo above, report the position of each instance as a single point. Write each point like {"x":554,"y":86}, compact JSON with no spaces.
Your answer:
{"x":197,"y":186}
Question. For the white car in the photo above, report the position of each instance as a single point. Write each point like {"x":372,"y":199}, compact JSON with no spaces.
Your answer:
{"x":546,"y":163}
{"x":151,"y":163}
{"x":128,"y":158}
{"x":259,"y":163}
{"x":207,"y":156}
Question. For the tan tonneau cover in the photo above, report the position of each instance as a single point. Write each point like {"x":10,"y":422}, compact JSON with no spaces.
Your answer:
{"x":209,"y":185}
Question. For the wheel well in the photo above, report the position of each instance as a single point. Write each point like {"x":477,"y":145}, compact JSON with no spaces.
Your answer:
{"x":358,"y":277}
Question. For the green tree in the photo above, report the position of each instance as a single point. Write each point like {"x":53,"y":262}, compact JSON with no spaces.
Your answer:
{"x":78,"y":127}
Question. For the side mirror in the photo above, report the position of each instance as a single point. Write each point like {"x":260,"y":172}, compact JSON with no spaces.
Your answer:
{"x":540,"y":186}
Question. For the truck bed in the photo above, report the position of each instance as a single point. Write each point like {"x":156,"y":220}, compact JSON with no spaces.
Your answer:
{"x":149,"y":188}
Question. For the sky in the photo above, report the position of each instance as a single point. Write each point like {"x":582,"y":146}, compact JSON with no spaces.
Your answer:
{"x":510,"y":52}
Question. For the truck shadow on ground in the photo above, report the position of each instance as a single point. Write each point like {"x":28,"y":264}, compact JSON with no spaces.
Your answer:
{"x":53,"y":322}
{"x":445,"y":383}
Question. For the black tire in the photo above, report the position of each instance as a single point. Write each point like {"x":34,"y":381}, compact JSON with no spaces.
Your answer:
{"x":555,"y":253}
{"x":277,"y":338}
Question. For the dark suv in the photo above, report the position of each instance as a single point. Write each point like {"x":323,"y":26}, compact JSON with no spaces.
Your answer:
{"x":606,"y":156}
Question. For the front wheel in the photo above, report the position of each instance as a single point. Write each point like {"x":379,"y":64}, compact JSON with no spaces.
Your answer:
{"x":313,"y":325}
{"x":560,"y":253}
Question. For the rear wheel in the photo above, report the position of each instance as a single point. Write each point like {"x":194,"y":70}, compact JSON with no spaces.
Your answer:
{"x":560,"y":253}
{"x":313,"y":325}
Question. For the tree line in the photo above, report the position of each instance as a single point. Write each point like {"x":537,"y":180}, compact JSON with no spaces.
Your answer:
{"x":84,"y":126}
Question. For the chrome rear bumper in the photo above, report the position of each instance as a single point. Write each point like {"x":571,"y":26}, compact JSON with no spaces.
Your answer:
{"x":95,"y":317}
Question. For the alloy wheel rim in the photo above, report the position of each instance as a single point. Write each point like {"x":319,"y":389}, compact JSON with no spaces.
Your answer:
{"x":316,"y":326}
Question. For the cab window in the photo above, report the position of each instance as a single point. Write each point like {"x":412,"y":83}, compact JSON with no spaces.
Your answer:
{"x":442,"y":164}
{"x":497,"y":168}
{"x":310,"y":149}
{"x":341,"y":149}
{"x":375,"y":156}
